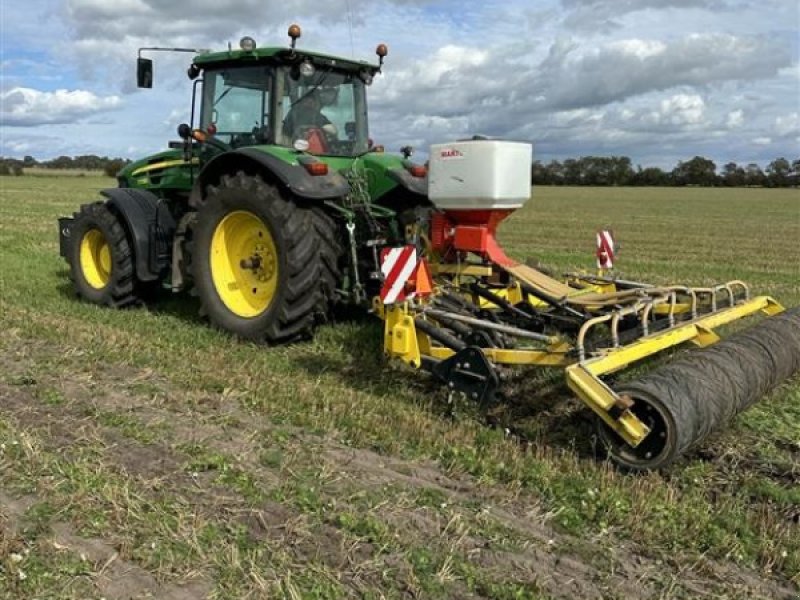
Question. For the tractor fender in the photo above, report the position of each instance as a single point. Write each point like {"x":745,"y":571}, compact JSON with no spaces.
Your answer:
{"x":418,"y":185}
{"x":150,"y":226}
{"x":252,"y":161}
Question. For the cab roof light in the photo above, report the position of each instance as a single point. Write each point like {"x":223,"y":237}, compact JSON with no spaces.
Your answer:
{"x":294,"y":33}
{"x":382,"y":50}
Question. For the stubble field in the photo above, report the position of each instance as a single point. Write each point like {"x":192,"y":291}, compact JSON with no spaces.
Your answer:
{"x":143,"y":454}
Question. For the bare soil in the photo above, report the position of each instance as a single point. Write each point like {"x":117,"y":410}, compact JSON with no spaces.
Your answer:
{"x":560,"y":565}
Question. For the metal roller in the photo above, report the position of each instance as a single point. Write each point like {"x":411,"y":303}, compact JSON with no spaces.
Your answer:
{"x":682,"y":402}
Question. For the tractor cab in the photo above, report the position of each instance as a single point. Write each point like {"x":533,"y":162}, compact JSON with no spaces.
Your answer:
{"x":306,"y":101}
{"x":316,"y":108}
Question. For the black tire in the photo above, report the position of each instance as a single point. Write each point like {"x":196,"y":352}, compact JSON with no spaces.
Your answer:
{"x":117,"y":285}
{"x":303,"y":247}
{"x":331,"y":252}
{"x":699,"y":392}
{"x":671,"y":422}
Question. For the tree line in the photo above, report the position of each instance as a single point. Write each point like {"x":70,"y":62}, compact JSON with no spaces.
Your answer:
{"x":700,"y":171}
{"x":586,"y":170}
{"x":85,"y":162}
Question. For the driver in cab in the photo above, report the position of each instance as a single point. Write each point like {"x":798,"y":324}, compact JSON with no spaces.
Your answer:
{"x":305,"y":115}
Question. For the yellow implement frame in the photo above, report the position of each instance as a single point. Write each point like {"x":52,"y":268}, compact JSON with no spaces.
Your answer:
{"x":405,"y":341}
{"x":583,"y":378}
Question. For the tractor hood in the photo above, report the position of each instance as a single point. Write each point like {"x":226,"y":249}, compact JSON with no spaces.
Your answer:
{"x":164,"y":170}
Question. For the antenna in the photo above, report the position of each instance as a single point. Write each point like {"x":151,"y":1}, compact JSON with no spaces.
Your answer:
{"x":160,"y":49}
{"x":350,"y":27}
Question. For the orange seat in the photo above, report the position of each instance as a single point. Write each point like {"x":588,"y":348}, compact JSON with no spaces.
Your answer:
{"x":316,"y":141}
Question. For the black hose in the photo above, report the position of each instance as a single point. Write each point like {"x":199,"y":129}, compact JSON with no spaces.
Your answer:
{"x":556,"y":303}
{"x":458,"y":328}
{"x":439,"y":335}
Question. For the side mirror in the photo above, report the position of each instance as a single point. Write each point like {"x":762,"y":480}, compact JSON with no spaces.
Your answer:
{"x":144,"y":72}
{"x":184,"y":131}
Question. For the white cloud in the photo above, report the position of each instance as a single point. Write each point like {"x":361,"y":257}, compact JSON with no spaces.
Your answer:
{"x":792,"y":71}
{"x":29,"y":107}
{"x":606,"y":15}
{"x":787,"y":125}
{"x":641,"y":49}
{"x":611,"y":72}
{"x":735,"y":119}
{"x":658,"y":80}
{"x":683,"y":109}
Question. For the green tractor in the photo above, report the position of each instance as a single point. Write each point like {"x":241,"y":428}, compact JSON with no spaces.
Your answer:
{"x":270,"y":208}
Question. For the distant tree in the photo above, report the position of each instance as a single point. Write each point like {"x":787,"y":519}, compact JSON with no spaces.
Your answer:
{"x":29,"y":161}
{"x":62,"y":162}
{"x":11,"y":166}
{"x":555,"y":172}
{"x":778,"y":173}
{"x":572,"y":172}
{"x":621,"y":170}
{"x":650,"y":176}
{"x":540,"y":174}
{"x":732,"y":175}
{"x":754,"y":176}
{"x":794,"y":176}
{"x":697,"y":171}
{"x":593,"y":170}
{"x":112,"y":167}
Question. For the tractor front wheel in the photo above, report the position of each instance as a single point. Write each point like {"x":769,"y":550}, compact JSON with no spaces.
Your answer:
{"x":100,"y":259}
{"x":257,"y":262}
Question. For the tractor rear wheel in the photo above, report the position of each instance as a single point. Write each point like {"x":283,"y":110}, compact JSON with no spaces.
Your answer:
{"x":100,"y":259}
{"x":257,"y":261}
{"x":330,"y":253}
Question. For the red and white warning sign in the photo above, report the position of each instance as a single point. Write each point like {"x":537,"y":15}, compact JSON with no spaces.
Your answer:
{"x":404,"y":276}
{"x":605,"y":249}
{"x":397,"y":266}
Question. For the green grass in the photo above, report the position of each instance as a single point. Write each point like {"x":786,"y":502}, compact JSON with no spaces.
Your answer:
{"x":318,"y":470}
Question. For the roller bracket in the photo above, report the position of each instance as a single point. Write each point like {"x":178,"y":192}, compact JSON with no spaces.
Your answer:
{"x":705,"y":337}
{"x":469,"y":371}
{"x":621,"y":405}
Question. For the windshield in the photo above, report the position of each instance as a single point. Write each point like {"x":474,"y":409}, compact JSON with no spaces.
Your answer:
{"x":266,"y":104}
{"x":236,"y":102}
{"x":327,"y":109}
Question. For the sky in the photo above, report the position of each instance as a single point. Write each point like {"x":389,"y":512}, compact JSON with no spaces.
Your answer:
{"x":657,"y":80}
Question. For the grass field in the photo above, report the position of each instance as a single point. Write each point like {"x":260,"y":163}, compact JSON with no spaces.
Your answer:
{"x":143,"y":453}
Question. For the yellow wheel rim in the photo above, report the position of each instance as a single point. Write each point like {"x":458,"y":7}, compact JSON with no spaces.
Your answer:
{"x":244,"y":263}
{"x":95,"y":259}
